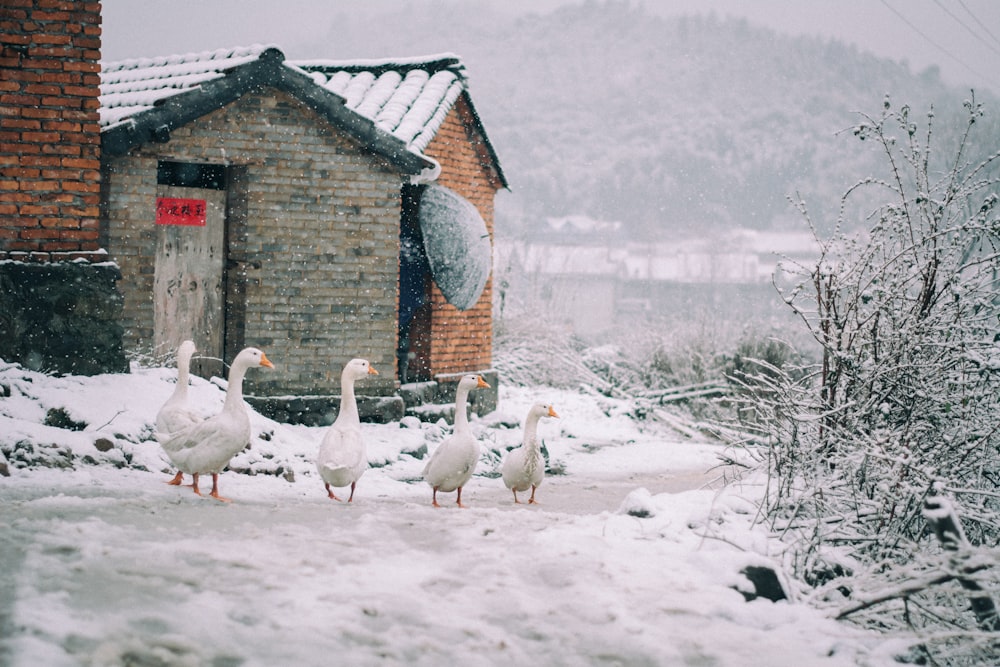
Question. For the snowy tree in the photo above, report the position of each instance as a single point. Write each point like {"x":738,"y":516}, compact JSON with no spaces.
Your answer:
{"x":902,"y":404}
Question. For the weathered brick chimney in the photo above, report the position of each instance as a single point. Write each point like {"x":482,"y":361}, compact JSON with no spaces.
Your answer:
{"x":50,"y":140}
{"x":57,"y":314}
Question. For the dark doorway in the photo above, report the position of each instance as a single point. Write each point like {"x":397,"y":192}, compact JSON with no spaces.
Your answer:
{"x":414,"y":325}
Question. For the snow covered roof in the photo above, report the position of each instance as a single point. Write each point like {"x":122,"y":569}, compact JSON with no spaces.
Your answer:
{"x":408,"y":97}
{"x":130,"y":87}
{"x":395,"y":107}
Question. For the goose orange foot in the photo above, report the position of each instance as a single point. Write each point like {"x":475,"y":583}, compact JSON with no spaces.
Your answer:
{"x":215,"y":489}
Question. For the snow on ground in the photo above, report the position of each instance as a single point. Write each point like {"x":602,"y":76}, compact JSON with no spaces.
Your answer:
{"x":631,"y":558}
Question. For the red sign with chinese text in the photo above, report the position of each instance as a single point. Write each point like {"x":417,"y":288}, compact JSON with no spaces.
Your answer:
{"x":174,"y":211}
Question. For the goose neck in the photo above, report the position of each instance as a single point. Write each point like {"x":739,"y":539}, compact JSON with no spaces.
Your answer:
{"x":531,"y":432}
{"x":182,"y":376}
{"x":234,"y":390}
{"x":461,"y":411}
{"x":348,"y":400}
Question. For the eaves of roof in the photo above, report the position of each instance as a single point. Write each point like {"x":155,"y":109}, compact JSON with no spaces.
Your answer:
{"x":486,"y":140}
{"x":268,"y":70}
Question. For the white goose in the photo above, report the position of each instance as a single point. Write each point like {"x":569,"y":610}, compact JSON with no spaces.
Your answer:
{"x":343,"y":457}
{"x":523,"y":467}
{"x":453,"y":462}
{"x":207,"y":446}
{"x":175,"y":414}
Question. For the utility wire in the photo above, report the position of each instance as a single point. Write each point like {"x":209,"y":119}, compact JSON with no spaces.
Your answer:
{"x":964,"y":25}
{"x":976,"y":19}
{"x":933,"y":43}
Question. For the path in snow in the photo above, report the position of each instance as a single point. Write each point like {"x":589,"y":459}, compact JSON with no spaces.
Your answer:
{"x":119,"y":568}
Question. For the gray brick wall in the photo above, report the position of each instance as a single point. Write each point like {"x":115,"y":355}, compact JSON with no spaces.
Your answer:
{"x":322,"y":222}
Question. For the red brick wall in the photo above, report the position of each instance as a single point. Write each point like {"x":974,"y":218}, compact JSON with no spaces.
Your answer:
{"x":49,"y":135}
{"x":462,"y":341}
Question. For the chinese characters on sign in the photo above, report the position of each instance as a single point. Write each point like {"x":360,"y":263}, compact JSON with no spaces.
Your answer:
{"x":174,"y":211}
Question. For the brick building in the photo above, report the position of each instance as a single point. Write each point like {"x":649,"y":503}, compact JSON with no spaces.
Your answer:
{"x":252,"y":200}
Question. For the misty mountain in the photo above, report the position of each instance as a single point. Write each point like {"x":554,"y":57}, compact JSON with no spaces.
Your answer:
{"x":668,"y":125}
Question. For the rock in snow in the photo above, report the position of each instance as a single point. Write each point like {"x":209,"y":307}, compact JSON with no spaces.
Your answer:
{"x":638,"y":503}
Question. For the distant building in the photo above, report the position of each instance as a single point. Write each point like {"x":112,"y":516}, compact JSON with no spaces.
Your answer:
{"x":585,"y":273}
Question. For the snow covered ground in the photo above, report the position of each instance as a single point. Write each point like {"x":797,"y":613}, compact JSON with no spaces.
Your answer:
{"x":104,"y":564}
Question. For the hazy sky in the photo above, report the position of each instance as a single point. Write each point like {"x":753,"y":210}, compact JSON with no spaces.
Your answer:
{"x":962,"y":37}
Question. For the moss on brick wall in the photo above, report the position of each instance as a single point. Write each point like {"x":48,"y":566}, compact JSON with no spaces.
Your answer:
{"x":62,"y":318}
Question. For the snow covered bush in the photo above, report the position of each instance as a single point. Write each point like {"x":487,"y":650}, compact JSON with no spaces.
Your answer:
{"x":906,"y":393}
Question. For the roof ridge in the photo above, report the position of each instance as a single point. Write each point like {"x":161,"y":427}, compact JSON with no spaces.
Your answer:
{"x":432,"y":63}
{"x":251,"y":51}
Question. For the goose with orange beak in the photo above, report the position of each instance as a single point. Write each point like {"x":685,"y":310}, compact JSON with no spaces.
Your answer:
{"x":343,"y":456}
{"x":206,"y":447}
{"x":524,"y":467}
{"x":453,"y":462}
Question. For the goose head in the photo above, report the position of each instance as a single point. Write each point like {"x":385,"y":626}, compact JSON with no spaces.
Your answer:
{"x":355,"y":369}
{"x":539,"y":410}
{"x":473,"y":381}
{"x":251,"y":357}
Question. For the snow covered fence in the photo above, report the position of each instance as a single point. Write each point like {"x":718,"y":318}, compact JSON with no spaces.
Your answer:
{"x":946,"y":524}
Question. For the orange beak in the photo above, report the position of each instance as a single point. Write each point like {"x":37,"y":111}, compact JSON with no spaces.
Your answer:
{"x":552,"y":412}
{"x":482,"y":383}
{"x":264,"y":361}
{"x":372,"y":371}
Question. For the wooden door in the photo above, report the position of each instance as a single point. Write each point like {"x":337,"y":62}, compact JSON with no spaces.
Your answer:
{"x":188,"y":285}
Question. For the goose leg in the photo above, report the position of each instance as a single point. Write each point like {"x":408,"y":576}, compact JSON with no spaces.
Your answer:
{"x":353,"y":484}
{"x":177,"y":480}
{"x":531,"y":500}
{"x":516,"y":501}
{"x":460,"y":497}
{"x":434,"y":499}
{"x":194,"y":483}
{"x":215,"y":489}
{"x":329,"y":492}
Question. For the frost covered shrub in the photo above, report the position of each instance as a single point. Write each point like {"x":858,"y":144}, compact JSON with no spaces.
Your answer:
{"x":756,"y":356}
{"x":531,"y":349}
{"x":637,"y":363}
{"x":906,"y":393}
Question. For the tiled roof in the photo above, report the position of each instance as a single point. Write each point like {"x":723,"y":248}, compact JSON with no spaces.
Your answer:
{"x":409,"y":98}
{"x":129,"y":87}
{"x":406,"y":99}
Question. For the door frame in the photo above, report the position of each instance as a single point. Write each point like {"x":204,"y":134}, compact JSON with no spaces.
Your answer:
{"x":232,"y":181}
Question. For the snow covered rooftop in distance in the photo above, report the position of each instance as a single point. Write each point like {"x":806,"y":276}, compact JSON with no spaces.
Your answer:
{"x":581,"y":223}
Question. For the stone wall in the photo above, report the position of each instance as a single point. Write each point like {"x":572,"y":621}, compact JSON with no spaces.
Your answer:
{"x":61,"y":317}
